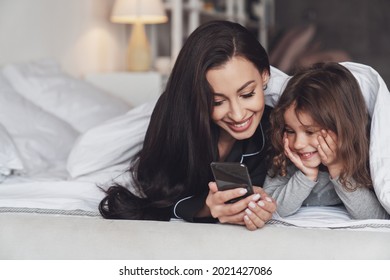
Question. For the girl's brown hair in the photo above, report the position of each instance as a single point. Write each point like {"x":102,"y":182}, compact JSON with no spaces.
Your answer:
{"x":331,"y":95}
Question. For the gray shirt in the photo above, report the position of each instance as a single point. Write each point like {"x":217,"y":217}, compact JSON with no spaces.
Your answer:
{"x":296,"y":190}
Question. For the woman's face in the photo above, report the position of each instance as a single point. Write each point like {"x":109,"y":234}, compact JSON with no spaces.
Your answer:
{"x":238,"y":97}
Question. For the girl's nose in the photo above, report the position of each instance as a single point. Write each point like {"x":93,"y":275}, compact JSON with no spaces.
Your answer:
{"x":299,"y":142}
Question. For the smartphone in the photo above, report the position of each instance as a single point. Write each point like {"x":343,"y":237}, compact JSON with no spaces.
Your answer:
{"x":231,"y":175}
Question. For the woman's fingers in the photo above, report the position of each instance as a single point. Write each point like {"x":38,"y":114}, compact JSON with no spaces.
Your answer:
{"x":213,"y":187}
{"x":249,"y":223}
{"x":260,"y":212}
{"x":217,"y":201}
{"x":224,"y":196}
{"x":237,"y":219}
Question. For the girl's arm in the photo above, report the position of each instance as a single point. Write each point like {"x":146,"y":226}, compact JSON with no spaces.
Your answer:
{"x":361,"y":203}
{"x":289,"y":192}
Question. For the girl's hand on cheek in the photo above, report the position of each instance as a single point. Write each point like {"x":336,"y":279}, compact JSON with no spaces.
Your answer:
{"x":292,"y":155}
{"x":311,"y":173}
{"x":328,"y":151}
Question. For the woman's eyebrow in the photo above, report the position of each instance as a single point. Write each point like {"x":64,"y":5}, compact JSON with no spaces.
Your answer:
{"x":238,"y":90}
{"x":245,"y":85}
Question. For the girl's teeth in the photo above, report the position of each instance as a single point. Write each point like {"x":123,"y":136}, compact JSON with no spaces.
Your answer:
{"x":306,"y":155}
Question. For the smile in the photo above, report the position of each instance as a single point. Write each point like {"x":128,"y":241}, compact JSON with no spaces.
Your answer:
{"x":242,"y":126}
{"x":306,"y":156}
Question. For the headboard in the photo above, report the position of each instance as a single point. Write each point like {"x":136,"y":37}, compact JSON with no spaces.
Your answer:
{"x":77,"y":33}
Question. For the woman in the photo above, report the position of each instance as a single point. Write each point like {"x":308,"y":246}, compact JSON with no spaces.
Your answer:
{"x":211,"y":110}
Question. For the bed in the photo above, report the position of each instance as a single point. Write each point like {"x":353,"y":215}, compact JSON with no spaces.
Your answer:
{"x":62,"y":138}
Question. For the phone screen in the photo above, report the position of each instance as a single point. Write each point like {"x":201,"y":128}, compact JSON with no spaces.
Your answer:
{"x":230,"y":175}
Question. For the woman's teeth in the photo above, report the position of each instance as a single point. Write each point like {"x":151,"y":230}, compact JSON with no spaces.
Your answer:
{"x":241,"y":124}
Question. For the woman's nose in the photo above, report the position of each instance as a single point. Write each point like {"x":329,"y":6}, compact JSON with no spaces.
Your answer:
{"x":237,"y":112}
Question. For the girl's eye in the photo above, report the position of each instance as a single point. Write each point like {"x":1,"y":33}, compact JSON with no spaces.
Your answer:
{"x":312,"y":131}
{"x":288,"y":131}
{"x":248,"y":95}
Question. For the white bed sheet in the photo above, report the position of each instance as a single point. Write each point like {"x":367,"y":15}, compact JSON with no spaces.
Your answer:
{"x":56,"y":197}
{"x":331,"y":218}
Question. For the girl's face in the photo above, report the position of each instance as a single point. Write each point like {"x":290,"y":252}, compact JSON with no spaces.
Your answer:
{"x":238,"y":98}
{"x":302,"y":134}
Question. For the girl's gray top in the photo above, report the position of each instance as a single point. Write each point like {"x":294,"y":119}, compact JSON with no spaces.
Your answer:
{"x":296,"y":190}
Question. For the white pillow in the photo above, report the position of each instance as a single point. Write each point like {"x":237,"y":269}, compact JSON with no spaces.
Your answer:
{"x":114,"y":142}
{"x":41,"y":138}
{"x":72,"y":100}
{"x":9,"y":155}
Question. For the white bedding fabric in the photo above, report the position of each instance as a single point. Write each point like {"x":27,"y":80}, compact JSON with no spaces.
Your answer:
{"x":41,"y":138}
{"x":9,"y":156}
{"x":94,"y":150}
{"x":72,"y":100}
{"x":68,"y":171}
{"x":377,"y":97}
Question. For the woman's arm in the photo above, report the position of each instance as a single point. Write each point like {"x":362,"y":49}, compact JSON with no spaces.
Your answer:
{"x":361,"y":203}
{"x":193,"y":209}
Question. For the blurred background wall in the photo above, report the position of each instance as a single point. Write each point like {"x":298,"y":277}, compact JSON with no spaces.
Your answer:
{"x":358,"y":30}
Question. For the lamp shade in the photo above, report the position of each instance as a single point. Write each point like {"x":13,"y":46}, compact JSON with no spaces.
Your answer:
{"x":132,"y":11}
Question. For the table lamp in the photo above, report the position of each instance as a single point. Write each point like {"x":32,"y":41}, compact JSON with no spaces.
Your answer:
{"x":138,"y":13}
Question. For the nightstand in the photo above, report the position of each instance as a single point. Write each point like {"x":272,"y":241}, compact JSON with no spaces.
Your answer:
{"x":133,"y":87}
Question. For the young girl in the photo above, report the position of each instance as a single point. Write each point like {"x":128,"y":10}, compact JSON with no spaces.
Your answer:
{"x":320,"y":145}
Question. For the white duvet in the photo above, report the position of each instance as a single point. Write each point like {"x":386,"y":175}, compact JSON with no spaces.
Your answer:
{"x":62,"y":174}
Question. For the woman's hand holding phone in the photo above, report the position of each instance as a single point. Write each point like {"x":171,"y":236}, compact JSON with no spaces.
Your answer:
{"x":256,"y":208}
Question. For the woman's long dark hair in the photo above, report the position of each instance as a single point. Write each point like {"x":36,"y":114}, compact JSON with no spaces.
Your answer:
{"x":181,"y":139}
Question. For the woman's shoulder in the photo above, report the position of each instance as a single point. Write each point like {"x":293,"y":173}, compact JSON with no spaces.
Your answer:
{"x":265,"y":122}
{"x":267,"y":111}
